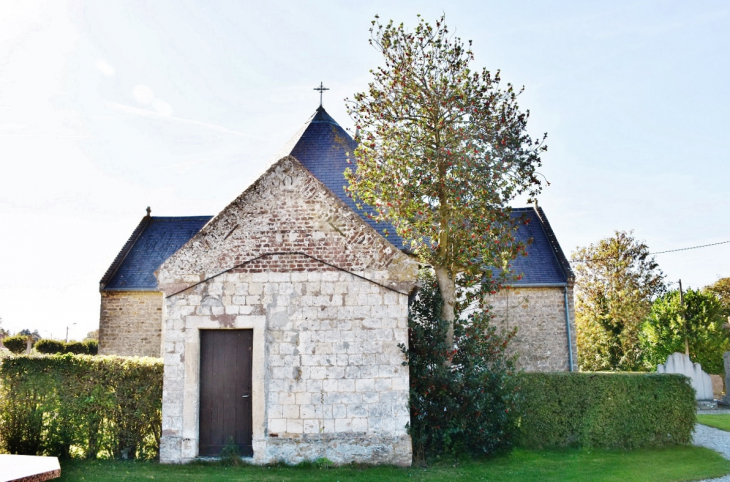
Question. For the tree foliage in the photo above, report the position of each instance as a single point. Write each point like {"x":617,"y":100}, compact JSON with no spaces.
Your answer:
{"x":443,"y":149}
{"x":700,"y":319}
{"x":616,"y":281}
{"x":721,"y":289}
{"x":468,"y":406}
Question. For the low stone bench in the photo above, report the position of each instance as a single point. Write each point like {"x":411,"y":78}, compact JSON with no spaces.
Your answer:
{"x":28,"y":468}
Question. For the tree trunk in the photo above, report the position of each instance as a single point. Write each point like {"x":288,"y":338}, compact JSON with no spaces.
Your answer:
{"x":447,"y":286}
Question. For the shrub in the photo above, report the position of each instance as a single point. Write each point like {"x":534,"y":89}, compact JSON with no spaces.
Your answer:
{"x":77,"y":348}
{"x":466,"y":406}
{"x":49,"y":347}
{"x":100,"y":406}
{"x":16,"y":344}
{"x":92,"y":346}
{"x":606,"y":410}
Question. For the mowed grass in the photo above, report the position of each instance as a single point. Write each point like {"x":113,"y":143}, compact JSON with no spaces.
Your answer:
{"x":718,"y":421}
{"x":670,"y":464}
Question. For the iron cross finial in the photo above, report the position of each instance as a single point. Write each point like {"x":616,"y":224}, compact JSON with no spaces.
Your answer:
{"x":321,"y":89}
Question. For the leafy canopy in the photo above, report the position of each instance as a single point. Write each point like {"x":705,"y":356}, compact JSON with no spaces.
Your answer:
{"x":701,"y":318}
{"x":616,"y":281}
{"x":442,"y":151}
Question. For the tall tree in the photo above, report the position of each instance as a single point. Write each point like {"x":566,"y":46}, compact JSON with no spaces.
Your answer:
{"x":721,"y":290}
{"x":616,"y":281}
{"x":443,"y":149}
{"x":700,"y":320}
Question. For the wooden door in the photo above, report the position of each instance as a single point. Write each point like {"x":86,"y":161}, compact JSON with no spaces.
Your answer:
{"x":225,"y":390}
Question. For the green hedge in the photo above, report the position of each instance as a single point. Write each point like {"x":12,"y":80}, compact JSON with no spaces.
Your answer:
{"x":81,"y":406}
{"x":51,"y":347}
{"x":608,"y":410}
{"x":16,"y":344}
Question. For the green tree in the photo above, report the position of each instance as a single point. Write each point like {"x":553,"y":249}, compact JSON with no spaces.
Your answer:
{"x":468,"y":406}
{"x":616,"y":281}
{"x":442,"y":151}
{"x":721,"y":289}
{"x":700,"y":320}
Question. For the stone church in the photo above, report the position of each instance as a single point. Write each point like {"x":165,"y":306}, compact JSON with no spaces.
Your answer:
{"x":279,"y":319}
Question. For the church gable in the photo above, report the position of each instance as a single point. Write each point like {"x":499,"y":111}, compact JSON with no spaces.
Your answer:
{"x":287,"y":211}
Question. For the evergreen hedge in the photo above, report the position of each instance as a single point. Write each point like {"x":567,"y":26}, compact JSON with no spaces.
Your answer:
{"x":606,"y":410}
{"x":16,"y":344}
{"x":82,"y":406}
{"x":50,"y":347}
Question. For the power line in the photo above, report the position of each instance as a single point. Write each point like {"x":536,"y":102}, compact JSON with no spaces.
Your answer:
{"x":650,"y":254}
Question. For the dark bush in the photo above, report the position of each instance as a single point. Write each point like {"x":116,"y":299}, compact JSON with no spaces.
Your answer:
{"x":16,"y":344}
{"x":50,"y":347}
{"x":92,"y":346}
{"x":467,"y":406}
{"x":77,"y":348}
{"x":103,"y":406}
{"x":608,"y":410}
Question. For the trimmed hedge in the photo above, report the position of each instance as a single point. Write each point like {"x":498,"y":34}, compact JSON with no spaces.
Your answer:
{"x":51,"y":347}
{"x":16,"y":344}
{"x":606,"y":410}
{"x":82,"y":406}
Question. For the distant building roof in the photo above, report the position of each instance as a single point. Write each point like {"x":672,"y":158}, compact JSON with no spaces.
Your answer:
{"x":154,"y":240}
{"x":322,"y":148}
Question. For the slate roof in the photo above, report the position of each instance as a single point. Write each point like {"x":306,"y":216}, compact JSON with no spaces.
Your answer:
{"x":153,"y":241}
{"x":322,"y":148}
{"x":545,"y":262}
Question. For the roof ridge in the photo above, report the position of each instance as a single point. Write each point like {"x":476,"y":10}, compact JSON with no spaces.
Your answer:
{"x":119,"y":259}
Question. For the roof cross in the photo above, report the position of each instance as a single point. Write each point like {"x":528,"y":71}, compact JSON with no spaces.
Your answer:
{"x":321,"y":89}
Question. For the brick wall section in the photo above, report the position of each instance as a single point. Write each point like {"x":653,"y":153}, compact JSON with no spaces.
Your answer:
{"x":130,"y":323}
{"x":539,"y":315}
{"x":333,"y":383}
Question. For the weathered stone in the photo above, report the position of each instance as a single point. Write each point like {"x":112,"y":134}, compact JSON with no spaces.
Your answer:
{"x":538,"y":313}
{"x":130,"y":323}
{"x":328,"y":379}
{"x":681,"y":363}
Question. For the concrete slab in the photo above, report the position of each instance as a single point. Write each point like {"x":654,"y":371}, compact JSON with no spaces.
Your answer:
{"x":28,"y":468}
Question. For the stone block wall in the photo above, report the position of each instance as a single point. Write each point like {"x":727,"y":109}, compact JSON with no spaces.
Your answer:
{"x":131,"y":323}
{"x":539,"y":316}
{"x":326,"y":363}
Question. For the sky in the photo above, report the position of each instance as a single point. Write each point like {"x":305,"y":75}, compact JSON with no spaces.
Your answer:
{"x":109,"y":107}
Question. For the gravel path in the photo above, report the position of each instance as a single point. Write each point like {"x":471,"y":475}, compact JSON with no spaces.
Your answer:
{"x":714,"y":439}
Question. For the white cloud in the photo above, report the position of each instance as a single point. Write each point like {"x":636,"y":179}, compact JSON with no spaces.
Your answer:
{"x":105,"y":68}
{"x":143,"y":94}
{"x":162,"y":107}
{"x":128,"y":109}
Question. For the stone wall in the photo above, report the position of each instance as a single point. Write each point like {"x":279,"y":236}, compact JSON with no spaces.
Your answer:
{"x":327,"y":300}
{"x":329,"y":370}
{"x":539,"y":316}
{"x":130,"y":323}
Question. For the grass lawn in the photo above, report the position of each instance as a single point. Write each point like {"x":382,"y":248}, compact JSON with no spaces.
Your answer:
{"x":671,"y":464}
{"x":718,"y":421}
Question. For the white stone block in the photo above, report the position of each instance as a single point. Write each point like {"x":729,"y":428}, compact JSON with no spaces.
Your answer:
{"x":681,"y":363}
{"x":294,"y":426}
{"x":290,"y":411}
{"x":277,"y":425}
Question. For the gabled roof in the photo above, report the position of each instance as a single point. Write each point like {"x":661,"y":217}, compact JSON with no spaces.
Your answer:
{"x":322,"y":148}
{"x":153,"y":241}
{"x":545,"y":262}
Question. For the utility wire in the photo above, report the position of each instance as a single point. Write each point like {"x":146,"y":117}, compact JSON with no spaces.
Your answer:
{"x":650,"y":254}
